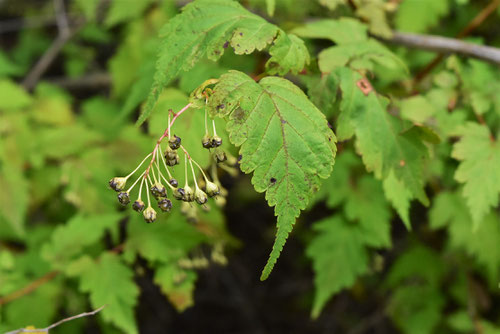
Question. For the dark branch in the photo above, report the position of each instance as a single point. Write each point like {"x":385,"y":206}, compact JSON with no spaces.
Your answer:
{"x":447,"y":45}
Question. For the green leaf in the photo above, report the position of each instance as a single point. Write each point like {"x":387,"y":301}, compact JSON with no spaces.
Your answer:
{"x":110,"y":282}
{"x":374,"y":12}
{"x":285,"y":141}
{"x":270,"y":6}
{"x":288,"y":53}
{"x":169,"y":239}
{"x":13,"y":96}
{"x":332,"y":4}
{"x":479,"y":157}
{"x":420,"y":15}
{"x":385,"y":145}
{"x":416,"y":302}
{"x":14,"y":196}
{"x":69,"y":240}
{"x":480,"y":241}
{"x":342,"y":31}
{"x":417,"y":109}
{"x":339,"y":257}
{"x":120,"y":11}
{"x":362,"y":55}
{"x":207,"y":27}
{"x":366,"y":204}
{"x":89,"y":7}
{"x":177,"y":284}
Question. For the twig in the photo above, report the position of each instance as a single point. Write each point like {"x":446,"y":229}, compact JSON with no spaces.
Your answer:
{"x":64,"y":34}
{"x":89,"y":81}
{"x":46,"y":329}
{"x":476,"y":22}
{"x":29,"y":288}
{"x":447,"y":45}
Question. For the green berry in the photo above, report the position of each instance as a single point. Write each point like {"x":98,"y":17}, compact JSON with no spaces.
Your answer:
{"x":158,"y":190}
{"x":149,"y":215}
{"x":174,"y":142}
{"x":200,"y":196}
{"x":165,"y":204}
{"x":188,"y":194}
{"x":220,"y":155}
{"x":138,"y":205}
{"x":179,"y":193}
{"x":173,"y":182}
{"x":212,"y":189}
{"x":206,"y":141}
{"x":117,"y":183}
{"x":216,"y":141}
{"x":124,"y":198}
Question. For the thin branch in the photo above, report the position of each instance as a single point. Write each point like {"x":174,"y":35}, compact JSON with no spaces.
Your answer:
{"x":476,"y":22}
{"x":29,"y":288}
{"x":447,"y":45}
{"x":95,"y":80}
{"x":46,"y":329}
{"x":64,"y":35}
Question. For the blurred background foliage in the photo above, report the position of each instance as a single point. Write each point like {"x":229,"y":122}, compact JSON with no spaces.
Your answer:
{"x":67,"y":247}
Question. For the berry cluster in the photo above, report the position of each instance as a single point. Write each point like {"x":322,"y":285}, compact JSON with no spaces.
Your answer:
{"x":154,"y":179}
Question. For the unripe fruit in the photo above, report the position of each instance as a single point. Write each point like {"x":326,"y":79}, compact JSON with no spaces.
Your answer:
{"x":117,"y":183}
{"x":200,"y":196}
{"x":173,"y":182}
{"x":216,"y":141}
{"x":138,"y":205}
{"x":188,"y":194}
{"x":174,"y":142}
{"x":179,"y":193}
{"x":158,"y":190}
{"x":124,"y":198}
{"x":206,"y":141}
{"x":165,"y":204}
{"x":149,"y":215}
{"x":220,"y":155}
{"x":212,"y":189}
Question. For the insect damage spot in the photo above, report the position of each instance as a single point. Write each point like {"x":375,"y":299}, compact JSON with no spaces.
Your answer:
{"x":272,"y":180}
{"x":226,"y":45}
{"x":364,"y":85}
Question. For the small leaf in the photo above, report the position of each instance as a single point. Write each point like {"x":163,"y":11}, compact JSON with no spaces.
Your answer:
{"x":479,"y":169}
{"x":13,"y":96}
{"x":339,"y":257}
{"x":420,"y":15}
{"x":383,"y":141}
{"x":110,"y":282}
{"x":285,"y":141}
{"x":177,"y":285}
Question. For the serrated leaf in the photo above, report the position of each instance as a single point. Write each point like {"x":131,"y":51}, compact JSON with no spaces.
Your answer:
{"x":374,"y":12}
{"x":362,"y":55}
{"x":69,"y":240}
{"x":385,"y":145}
{"x":110,"y":282}
{"x":480,"y":242}
{"x":177,"y":285}
{"x":479,"y":169}
{"x":339,"y":257}
{"x":170,"y":238}
{"x":285,"y":141}
{"x":288,"y":53}
{"x":207,"y":27}
{"x":13,"y":96}
{"x":419,"y":15}
{"x":365,"y":204}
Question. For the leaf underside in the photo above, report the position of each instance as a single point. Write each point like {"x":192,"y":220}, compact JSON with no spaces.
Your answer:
{"x":208,"y":27}
{"x":284,"y":140}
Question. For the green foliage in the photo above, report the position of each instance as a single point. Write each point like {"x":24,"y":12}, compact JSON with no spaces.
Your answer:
{"x":285,"y":141}
{"x":219,"y":24}
{"x":341,"y":131}
{"x":338,"y":257}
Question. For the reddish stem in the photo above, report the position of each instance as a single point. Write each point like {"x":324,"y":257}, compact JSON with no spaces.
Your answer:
{"x":165,"y":134}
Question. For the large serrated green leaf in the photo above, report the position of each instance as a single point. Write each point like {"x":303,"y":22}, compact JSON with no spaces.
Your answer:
{"x":339,"y":257}
{"x":207,"y":27}
{"x":383,"y":141}
{"x":479,"y":169}
{"x":285,"y":141}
